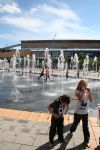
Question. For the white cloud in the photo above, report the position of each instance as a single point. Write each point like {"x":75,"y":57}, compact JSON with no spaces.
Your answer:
{"x":30,"y":24}
{"x":42,"y":22}
{"x":33,"y":10}
{"x":57,"y":19}
{"x":65,"y":13}
{"x":10,"y":8}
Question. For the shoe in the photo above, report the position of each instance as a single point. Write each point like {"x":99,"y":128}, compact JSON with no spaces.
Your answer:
{"x":70,"y":134}
{"x":87,"y":144}
{"x":50,"y":144}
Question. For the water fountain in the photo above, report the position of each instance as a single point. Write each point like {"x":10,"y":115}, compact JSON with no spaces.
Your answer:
{"x":85,"y":66}
{"x":61,"y":61}
{"x":3,"y":66}
{"x":47,"y":59}
{"x":24,"y":69}
{"x":33,"y":62}
{"x":15,"y":94}
{"x":48,"y":65}
{"x":76,"y":62}
{"x":71,"y":63}
{"x":95,"y":64}
{"x":19,"y":93}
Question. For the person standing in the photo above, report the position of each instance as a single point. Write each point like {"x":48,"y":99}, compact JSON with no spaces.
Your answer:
{"x":84,"y":95}
{"x":67,"y":73}
{"x":57,"y":109}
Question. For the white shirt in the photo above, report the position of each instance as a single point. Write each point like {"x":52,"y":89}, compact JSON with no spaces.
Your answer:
{"x":83,"y":107}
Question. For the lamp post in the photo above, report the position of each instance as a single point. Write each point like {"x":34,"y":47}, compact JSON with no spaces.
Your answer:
{"x":53,"y":47}
{"x":54,"y":39}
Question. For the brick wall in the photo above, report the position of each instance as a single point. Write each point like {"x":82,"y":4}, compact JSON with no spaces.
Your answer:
{"x":10,"y":54}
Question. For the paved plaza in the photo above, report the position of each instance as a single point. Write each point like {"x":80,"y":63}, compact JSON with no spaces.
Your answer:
{"x":21,"y":130}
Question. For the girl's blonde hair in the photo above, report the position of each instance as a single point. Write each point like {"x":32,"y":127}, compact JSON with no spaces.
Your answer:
{"x":80,"y":84}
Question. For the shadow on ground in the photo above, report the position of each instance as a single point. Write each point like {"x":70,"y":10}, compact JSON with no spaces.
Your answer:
{"x":62,"y":146}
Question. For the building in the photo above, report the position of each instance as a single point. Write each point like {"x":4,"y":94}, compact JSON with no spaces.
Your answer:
{"x":70,"y":47}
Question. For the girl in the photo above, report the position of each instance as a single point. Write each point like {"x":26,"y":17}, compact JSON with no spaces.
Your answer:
{"x":84,"y":95}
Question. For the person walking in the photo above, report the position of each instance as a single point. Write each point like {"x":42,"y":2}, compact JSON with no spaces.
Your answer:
{"x":57,"y":109}
{"x":84,"y":95}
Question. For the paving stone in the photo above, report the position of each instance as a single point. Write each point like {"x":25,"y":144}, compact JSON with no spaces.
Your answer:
{"x":40,"y":129}
{"x":1,"y":122}
{"x":78,"y":134}
{"x":26,"y":130}
{"x":8,"y":119}
{"x":69,"y":145}
{"x":12,"y":127}
{"x":8,"y":136}
{"x":23,"y":121}
{"x":41,"y":140}
{"x":25,"y":147}
{"x":24,"y":138}
{"x":78,"y":143}
{"x":23,"y":127}
{"x":9,"y":146}
{"x":6,"y":125}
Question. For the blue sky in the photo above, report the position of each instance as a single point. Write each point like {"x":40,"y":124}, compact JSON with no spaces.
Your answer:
{"x":48,"y":19}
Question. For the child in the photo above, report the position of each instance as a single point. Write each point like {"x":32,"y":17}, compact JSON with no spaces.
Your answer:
{"x":47,"y":74}
{"x":83,"y":95}
{"x":41,"y":74}
{"x":57,"y":109}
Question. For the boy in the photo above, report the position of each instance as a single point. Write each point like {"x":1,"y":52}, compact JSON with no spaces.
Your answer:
{"x":57,"y":109}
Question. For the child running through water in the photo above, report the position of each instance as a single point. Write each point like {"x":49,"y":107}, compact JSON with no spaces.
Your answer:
{"x":41,"y":74}
{"x":57,"y":109}
{"x":84,"y":95}
{"x":47,"y":74}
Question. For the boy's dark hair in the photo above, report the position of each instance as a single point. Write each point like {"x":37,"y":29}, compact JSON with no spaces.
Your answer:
{"x":65,"y":99}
